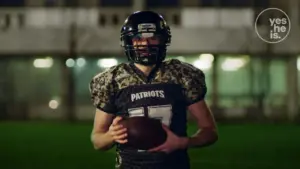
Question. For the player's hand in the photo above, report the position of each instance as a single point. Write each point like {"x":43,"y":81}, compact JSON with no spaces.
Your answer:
{"x":172,"y":143}
{"x":117,"y":131}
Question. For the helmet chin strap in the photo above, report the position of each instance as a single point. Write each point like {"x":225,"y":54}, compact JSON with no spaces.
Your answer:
{"x":145,"y":64}
{"x":149,"y":63}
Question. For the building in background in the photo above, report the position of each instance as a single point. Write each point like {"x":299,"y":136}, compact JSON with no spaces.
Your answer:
{"x":50,"y":50}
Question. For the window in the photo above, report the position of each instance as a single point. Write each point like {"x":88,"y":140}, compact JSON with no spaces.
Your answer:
{"x":234,"y":82}
{"x":71,"y":3}
{"x":115,"y":19}
{"x":11,"y":3}
{"x":115,"y":3}
{"x":51,"y":3}
{"x":209,"y":3}
{"x":176,"y":19}
{"x":298,"y":67}
{"x":236,"y":3}
{"x":160,"y":3}
{"x":261,"y":3}
{"x":102,"y":20}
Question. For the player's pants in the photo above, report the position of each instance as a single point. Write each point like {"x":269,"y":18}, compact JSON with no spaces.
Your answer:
{"x":127,"y":160}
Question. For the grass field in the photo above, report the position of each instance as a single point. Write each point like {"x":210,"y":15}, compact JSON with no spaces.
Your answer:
{"x":45,"y":145}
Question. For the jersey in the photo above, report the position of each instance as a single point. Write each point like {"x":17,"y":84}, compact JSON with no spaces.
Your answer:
{"x":165,"y":94}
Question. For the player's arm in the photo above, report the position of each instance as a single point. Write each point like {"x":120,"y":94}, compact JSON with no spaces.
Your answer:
{"x":100,"y":137}
{"x":106,"y":130}
{"x":207,"y":133}
{"x":195,"y":94}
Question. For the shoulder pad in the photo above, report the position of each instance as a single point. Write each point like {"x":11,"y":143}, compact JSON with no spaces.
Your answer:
{"x":102,"y":90}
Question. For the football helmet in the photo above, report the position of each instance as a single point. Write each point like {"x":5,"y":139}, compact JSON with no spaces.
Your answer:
{"x":145,"y":36}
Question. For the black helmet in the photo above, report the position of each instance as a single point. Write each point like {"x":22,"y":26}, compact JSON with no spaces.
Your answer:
{"x":145,"y":36}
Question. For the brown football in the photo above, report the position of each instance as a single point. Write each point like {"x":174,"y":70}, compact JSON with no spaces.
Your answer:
{"x":144,"y":133}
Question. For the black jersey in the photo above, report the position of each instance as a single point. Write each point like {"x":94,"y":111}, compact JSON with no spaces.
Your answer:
{"x":165,"y":94}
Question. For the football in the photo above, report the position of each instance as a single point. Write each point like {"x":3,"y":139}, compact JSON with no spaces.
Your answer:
{"x":144,"y":133}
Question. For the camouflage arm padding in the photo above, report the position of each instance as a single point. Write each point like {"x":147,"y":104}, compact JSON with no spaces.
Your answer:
{"x":194,"y":84}
{"x":102,"y":92}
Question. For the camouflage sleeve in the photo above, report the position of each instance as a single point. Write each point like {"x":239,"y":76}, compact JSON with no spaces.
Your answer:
{"x":194,"y":84}
{"x":102,"y":92}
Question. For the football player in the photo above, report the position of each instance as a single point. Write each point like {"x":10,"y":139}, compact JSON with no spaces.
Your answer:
{"x":150,"y":86}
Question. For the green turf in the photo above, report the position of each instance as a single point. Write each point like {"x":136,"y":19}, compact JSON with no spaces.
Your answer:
{"x":34,"y":145}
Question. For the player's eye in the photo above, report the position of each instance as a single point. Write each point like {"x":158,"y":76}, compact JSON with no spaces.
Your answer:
{"x":154,"y":41}
{"x":154,"y":38}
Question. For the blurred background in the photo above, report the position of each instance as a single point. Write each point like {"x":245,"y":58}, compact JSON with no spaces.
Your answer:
{"x":51,"y":49}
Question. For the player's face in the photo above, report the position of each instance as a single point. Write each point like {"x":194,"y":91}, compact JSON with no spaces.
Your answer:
{"x":142,"y":42}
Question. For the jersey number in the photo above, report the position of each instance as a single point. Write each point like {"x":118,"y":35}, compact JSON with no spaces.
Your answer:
{"x":161,"y":112}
